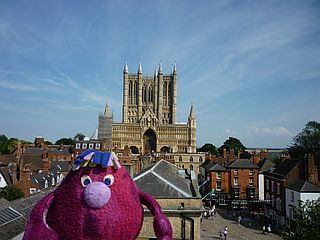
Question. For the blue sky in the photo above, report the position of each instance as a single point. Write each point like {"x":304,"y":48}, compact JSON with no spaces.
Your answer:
{"x":251,"y":68}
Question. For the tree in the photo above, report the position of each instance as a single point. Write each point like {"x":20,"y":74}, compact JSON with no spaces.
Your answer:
{"x":232,"y":143}
{"x":208,"y":147}
{"x":3,"y":143}
{"x":48,"y":143}
{"x":307,"y":141}
{"x":12,"y":145}
{"x":306,"y":221}
{"x":11,"y":193}
{"x":65,"y":141}
{"x":79,"y":137}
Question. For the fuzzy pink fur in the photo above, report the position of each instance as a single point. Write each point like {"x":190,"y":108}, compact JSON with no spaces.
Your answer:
{"x":69,"y":217}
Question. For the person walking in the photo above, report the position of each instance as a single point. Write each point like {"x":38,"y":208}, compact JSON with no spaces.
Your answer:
{"x":225,"y":232}
{"x":264,"y":229}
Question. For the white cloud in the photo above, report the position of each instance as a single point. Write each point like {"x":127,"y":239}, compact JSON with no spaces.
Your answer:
{"x":17,"y":86}
{"x":275,"y":131}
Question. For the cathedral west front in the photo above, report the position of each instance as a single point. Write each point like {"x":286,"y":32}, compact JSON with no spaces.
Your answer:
{"x":149,"y":115}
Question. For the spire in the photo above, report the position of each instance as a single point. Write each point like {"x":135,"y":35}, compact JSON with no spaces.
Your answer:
{"x":160,"y":68}
{"x":155,"y":71}
{"x":140,"y":68}
{"x":192,"y":112}
{"x":106,"y":110}
{"x":174,"y":68}
{"x":126,"y":69}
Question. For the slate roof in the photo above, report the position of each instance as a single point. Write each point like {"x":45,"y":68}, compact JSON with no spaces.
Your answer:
{"x":265,"y":165}
{"x":165,"y":180}
{"x":33,"y":151}
{"x":23,"y":206}
{"x":59,"y":166}
{"x":285,"y":167}
{"x":207,"y":164}
{"x":59,"y":151}
{"x":304,"y":186}
{"x":41,"y":178}
{"x":242,"y":163}
{"x":217,"y":167}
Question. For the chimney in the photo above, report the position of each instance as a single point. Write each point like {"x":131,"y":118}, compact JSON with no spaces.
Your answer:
{"x":311,"y":169}
{"x":45,"y":165}
{"x":25,"y":182}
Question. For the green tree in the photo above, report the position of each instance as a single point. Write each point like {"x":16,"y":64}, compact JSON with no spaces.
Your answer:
{"x":208,"y":147}
{"x":12,"y":145}
{"x":306,"y":221}
{"x":11,"y":193}
{"x":79,"y":136}
{"x":3,"y":143}
{"x":48,"y":143}
{"x":307,"y":141}
{"x":232,"y":143}
{"x":65,"y":141}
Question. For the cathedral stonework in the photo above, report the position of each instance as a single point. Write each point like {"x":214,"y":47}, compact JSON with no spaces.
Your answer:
{"x":149,"y":115}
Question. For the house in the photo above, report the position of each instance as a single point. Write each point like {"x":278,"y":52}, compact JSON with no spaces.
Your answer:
{"x":275,"y":182}
{"x":178,"y":196}
{"x":296,"y":193}
{"x":243,"y":182}
{"x":264,"y":166}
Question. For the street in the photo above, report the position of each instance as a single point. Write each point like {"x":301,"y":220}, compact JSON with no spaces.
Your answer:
{"x":210,"y":229}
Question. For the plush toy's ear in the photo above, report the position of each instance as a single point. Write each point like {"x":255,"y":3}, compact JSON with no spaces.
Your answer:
{"x":37,"y":227}
{"x":161,"y":225}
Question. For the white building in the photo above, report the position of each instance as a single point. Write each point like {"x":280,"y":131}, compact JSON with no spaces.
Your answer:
{"x":300,"y":191}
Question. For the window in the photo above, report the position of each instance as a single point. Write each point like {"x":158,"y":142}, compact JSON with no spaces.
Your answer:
{"x":292,"y":196}
{"x":84,"y":146}
{"x":267,"y":183}
{"x":272,"y":186}
{"x":78,"y":145}
{"x":236,"y":172}
{"x":278,"y":188}
{"x":97,"y":145}
{"x":218,"y":175}
{"x":251,"y":172}
{"x":91,"y":145}
{"x":191,"y":159}
{"x":235,"y":181}
{"x":200,"y":159}
{"x":278,"y":204}
{"x":251,"y":181}
{"x":218,"y":186}
{"x":180,"y":159}
{"x":291,"y":212}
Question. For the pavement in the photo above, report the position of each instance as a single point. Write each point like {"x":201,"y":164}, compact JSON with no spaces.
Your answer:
{"x":248,"y":230}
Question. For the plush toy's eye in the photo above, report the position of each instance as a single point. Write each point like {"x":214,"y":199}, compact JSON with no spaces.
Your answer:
{"x":108,"y":180}
{"x":85,"y":180}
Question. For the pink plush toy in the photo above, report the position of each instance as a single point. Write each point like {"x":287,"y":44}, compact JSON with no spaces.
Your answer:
{"x":98,"y":200}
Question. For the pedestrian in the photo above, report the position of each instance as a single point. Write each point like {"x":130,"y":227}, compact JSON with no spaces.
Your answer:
{"x":205,"y":214}
{"x":264,"y":230}
{"x":239,"y":220}
{"x":225,"y":232}
{"x":220,"y":232}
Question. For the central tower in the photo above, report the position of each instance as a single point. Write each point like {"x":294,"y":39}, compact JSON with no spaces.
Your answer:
{"x":149,"y":98}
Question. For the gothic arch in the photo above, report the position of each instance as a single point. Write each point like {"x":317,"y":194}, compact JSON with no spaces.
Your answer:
{"x":149,"y":141}
{"x":165,"y":149}
{"x":134,"y":150}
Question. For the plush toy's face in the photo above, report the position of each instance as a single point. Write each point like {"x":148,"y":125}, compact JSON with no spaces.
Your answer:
{"x":96,"y":202}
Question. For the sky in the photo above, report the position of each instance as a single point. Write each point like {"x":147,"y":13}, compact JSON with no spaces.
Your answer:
{"x":250,"y":68}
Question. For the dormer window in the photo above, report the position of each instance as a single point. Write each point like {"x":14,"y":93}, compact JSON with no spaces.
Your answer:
{"x":84,"y":145}
{"x":97,"y":145}
{"x":78,"y":145}
{"x":91,"y":145}
{"x":236,"y":173}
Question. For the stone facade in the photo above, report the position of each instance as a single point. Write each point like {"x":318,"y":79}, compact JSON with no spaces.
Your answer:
{"x":149,"y":115}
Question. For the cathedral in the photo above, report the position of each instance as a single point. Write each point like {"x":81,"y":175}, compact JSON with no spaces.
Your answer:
{"x":149,"y":116}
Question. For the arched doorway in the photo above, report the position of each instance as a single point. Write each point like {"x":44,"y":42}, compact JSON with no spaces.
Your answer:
{"x":149,"y":141}
{"x":165,"y":149}
{"x":134,"y":150}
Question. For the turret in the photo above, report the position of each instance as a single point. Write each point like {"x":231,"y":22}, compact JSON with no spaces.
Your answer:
{"x":192,"y":129}
{"x":160,"y":92}
{"x":125,"y":93}
{"x":174,"y":93}
{"x":140,"y":91}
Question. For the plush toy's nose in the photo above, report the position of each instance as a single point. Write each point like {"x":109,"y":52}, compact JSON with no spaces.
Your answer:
{"x":97,"y":194}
